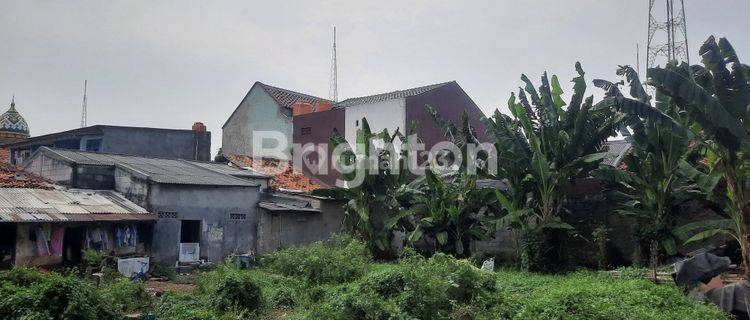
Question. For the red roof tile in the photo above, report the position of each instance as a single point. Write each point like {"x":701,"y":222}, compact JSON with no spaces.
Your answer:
{"x":12,"y":176}
{"x":282,"y":173}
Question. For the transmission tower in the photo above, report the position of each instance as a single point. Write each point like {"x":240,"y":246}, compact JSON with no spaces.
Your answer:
{"x":667,"y":32}
{"x":83,"y":105}
{"x":334,"y":90}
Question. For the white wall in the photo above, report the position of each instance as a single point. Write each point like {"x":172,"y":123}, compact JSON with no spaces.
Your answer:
{"x":390,"y":114}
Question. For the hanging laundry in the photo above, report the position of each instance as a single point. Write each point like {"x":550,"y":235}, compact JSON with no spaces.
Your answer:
{"x":56,"y":242}
{"x":42,"y":244}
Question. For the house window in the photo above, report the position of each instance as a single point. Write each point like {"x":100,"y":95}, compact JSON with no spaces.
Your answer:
{"x":305,"y":131}
{"x":167,"y":215}
{"x":237,"y":216}
{"x":190,"y":231}
{"x":94,"y":145}
{"x":356,"y":123}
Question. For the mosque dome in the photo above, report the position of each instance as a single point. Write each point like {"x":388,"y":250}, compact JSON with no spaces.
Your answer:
{"x":12,"y":122}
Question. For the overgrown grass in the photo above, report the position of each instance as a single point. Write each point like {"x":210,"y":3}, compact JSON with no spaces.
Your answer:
{"x":338,"y":280}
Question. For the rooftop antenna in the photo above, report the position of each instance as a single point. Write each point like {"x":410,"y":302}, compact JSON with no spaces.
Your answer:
{"x":83,"y":104}
{"x":672,"y":43}
{"x":637,"y":59}
{"x":333,"y":90}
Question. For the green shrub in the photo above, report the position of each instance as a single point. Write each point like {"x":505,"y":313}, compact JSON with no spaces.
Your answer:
{"x":184,"y":306}
{"x":127,"y":297}
{"x":339,"y":260}
{"x":27,"y":294}
{"x":236,"y":292}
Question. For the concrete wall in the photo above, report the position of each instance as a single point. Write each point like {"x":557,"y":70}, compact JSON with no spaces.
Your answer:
{"x":285,"y":229}
{"x":258,"y":111}
{"x":319,"y":127}
{"x":389,"y":115}
{"x":212,"y":205}
{"x":164,"y":143}
{"x":450,"y":101}
{"x":53,"y":169}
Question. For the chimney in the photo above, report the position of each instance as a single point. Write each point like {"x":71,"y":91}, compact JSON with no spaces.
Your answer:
{"x":300,"y":108}
{"x":199,"y":126}
{"x":323,"y":106}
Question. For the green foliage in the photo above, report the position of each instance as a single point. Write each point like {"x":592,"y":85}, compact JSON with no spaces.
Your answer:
{"x":338,"y":260}
{"x":184,"y":306}
{"x":127,"y":297}
{"x":657,"y":177}
{"x":450,"y":211}
{"x":236,"y":292}
{"x":27,"y":294}
{"x":373,"y":210}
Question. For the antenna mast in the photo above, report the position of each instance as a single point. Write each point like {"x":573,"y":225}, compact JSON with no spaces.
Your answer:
{"x":675,"y":46}
{"x":83,"y":104}
{"x":333,"y":90}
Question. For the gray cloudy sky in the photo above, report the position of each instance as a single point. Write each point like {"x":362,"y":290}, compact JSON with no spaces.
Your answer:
{"x":170,"y":63}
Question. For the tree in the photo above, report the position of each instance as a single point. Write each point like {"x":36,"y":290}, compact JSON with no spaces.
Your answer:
{"x":541,"y":149}
{"x":654,"y":181}
{"x":373,"y":211}
{"x":450,"y":211}
{"x":715,"y":97}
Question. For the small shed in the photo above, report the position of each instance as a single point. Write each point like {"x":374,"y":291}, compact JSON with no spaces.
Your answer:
{"x":292,"y":219}
{"x":45,"y":227}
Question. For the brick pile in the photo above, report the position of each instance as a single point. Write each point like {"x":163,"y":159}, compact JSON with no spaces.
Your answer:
{"x":282,"y":173}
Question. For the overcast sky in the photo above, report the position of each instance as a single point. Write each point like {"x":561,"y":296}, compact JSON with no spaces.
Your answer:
{"x":171,"y":63}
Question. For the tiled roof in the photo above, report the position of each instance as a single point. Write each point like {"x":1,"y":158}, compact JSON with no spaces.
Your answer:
{"x":12,"y":176}
{"x":389,"y":95}
{"x":35,"y":205}
{"x":287,"y":98}
{"x":283,"y":176}
{"x":167,"y":171}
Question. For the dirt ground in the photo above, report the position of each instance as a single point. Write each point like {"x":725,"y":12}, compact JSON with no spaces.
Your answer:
{"x":163,"y":286}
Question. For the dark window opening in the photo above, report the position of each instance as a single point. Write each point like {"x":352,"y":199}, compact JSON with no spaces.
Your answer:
{"x":305,"y":131}
{"x":356,"y":123}
{"x":190,"y":231}
{"x":94,"y":145}
{"x":7,"y":244}
{"x":73,"y":240}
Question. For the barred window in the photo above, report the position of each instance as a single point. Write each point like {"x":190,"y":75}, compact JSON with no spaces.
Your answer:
{"x":237,"y":216}
{"x":167,"y":215}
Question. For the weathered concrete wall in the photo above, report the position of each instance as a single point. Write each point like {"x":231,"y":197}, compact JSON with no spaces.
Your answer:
{"x":286,"y":229}
{"x":131,"y":187}
{"x":258,"y":111}
{"x":318,"y":128}
{"x":53,"y":169}
{"x":212,"y":205}
{"x":94,"y":177}
{"x":151,"y":142}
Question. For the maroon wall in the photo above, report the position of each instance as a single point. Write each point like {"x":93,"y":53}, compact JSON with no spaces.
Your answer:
{"x":318,"y":127}
{"x":450,"y":101}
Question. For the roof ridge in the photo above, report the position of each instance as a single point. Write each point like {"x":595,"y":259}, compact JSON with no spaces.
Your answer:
{"x":427,"y":88}
{"x":264,"y":85}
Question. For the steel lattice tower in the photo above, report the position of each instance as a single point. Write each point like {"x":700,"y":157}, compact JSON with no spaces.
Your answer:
{"x":334,"y":90}
{"x":667,"y":33}
{"x":84,"y":104}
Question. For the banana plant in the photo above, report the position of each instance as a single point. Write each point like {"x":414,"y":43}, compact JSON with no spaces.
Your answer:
{"x":450,"y":211}
{"x":373,"y":210}
{"x":715,"y":97}
{"x":654,"y":181}
{"x":542,"y":147}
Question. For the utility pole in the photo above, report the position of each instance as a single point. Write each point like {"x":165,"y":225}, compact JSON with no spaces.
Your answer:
{"x":333,"y":90}
{"x":83,"y":104}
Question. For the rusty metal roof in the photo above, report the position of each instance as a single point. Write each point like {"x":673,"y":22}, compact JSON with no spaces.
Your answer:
{"x":38,"y":205}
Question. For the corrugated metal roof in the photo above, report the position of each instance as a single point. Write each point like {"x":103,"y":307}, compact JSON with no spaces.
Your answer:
{"x":283,"y":207}
{"x":286,"y":98}
{"x":389,"y":95}
{"x":168,"y":171}
{"x":37,"y":205}
{"x":230,"y":170}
